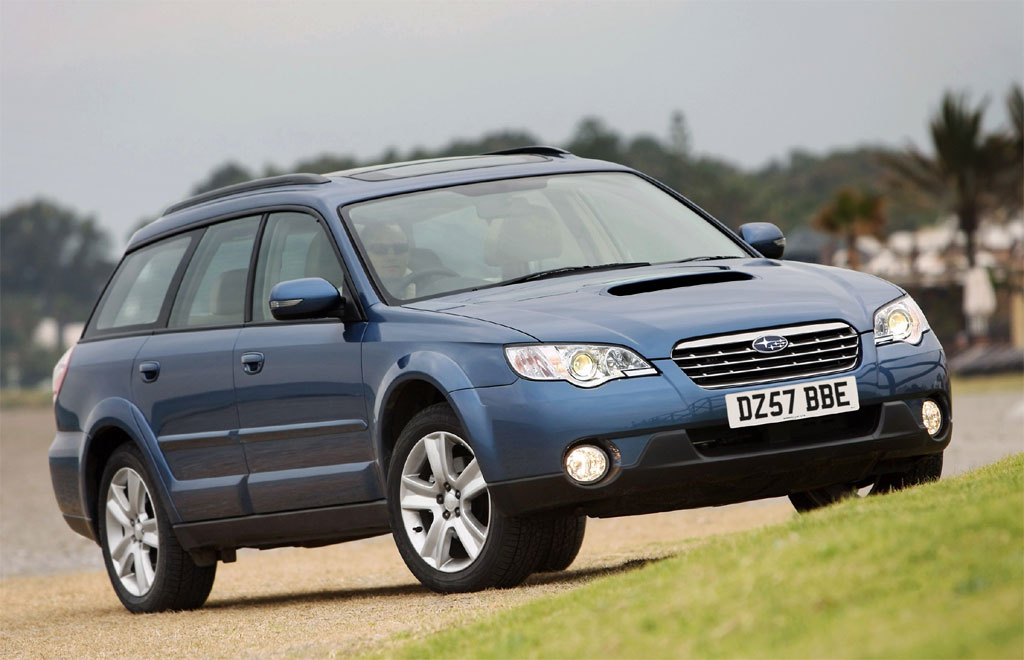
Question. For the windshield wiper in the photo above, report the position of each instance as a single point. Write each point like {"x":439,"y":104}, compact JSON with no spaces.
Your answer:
{"x":712,"y":258}
{"x":566,"y":270}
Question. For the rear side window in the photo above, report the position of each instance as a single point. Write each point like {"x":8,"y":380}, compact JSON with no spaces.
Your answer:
{"x":294,"y":246}
{"x":213,"y":289}
{"x":139,"y":288}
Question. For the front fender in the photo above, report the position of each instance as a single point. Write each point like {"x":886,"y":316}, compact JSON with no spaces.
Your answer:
{"x":438,"y":369}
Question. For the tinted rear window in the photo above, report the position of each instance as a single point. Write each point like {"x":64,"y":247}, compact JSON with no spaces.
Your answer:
{"x":139,"y":287}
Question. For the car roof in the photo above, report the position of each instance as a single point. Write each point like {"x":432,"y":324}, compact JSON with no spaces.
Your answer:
{"x":344,"y":187}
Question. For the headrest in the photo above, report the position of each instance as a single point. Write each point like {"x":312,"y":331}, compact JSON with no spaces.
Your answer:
{"x":227,"y":296}
{"x":527,"y":232}
{"x":321,"y":261}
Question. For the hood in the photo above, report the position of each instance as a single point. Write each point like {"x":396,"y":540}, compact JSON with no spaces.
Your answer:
{"x":652,"y":308}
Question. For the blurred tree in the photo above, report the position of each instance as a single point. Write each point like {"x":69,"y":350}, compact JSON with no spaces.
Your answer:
{"x":492,"y":141}
{"x":679,"y":139}
{"x":1013,"y":174}
{"x":325,"y":163}
{"x":53,"y":263}
{"x":593,"y":139}
{"x":786,"y":192}
{"x":224,"y":175}
{"x":850,"y":214}
{"x":965,"y":173}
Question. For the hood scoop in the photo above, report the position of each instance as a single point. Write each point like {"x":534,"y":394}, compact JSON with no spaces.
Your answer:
{"x":678,"y":282}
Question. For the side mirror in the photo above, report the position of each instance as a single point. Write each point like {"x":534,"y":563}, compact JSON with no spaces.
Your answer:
{"x":764,"y":237}
{"x":308,"y":298}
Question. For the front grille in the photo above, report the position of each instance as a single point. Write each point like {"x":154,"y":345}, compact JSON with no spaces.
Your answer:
{"x":730,"y":360}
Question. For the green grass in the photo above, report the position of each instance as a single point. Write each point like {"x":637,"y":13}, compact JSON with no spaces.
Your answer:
{"x":936,"y":571}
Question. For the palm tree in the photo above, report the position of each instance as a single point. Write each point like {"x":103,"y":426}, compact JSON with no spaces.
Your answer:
{"x":850,"y":214}
{"x":1014,"y":173}
{"x":966,"y":171}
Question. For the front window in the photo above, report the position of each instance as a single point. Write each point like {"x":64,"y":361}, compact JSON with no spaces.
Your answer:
{"x":434,"y":242}
{"x":294,"y":246}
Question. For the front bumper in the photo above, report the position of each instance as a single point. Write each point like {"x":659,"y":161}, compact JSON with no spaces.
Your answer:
{"x":672,"y":474}
{"x":671,"y":446}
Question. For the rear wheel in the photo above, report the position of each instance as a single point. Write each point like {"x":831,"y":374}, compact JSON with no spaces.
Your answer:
{"x":448,"y":532}
{"x":147,"y":566}
{"x":924,"y":469}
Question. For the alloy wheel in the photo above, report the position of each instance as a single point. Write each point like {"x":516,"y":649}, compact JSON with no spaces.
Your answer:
{"x":133,"y":538}
{"x":444,"y":501}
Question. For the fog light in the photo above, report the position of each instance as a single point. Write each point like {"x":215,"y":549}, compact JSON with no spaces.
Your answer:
{"x":931,"y":415}
{"x":586,"y":464}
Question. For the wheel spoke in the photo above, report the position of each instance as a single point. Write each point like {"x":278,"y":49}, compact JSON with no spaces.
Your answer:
{"x":120,"y":551}
{"x":470,"y":534}
{"x":136,"y":497}
{"x":435,"y":545}
{"x":118,"y":495}
{"x":415,"y":502}
{"x":437,"y":456}
{"x":151,"y":539}
{"x":143,"y":571}
{"x":114,"y":507}
{"x":417,"y":486}
{"x":471,"y":481}
{"x":123,"y":560}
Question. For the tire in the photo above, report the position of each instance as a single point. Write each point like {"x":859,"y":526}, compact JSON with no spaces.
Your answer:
{"x":476,"y":546}
{"x":924,"y":469}
{"x":148,"y":568}
{"x":563,"y":538}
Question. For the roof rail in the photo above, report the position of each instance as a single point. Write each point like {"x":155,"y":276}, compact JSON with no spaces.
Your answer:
{"x":256,"y":184}
{"x":540,"y":150}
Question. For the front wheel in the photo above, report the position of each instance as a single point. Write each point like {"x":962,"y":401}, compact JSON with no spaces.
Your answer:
{"x":447,"y":530}
{"x":924,"y":469}
{"x":147,"y":566}
{"x":563,"y":542}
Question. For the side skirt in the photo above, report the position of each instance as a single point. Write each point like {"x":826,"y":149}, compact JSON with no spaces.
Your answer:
{"x":307,"y":528}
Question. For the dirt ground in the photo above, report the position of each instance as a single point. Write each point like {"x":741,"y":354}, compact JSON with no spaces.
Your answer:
{"x":55,"y":600}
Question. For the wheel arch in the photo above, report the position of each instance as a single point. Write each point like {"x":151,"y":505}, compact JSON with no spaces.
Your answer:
{"x":404,"y":400}
{"x":113,"y":423}
{"x":412,"y":383}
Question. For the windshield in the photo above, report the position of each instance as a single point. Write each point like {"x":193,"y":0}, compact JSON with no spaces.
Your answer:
{"x":434,"y":242}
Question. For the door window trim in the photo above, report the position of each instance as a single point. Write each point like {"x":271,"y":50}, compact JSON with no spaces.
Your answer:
{"x":199,"y":229}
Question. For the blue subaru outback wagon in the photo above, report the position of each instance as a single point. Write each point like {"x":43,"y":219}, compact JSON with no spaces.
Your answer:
{"x":472,"y":354}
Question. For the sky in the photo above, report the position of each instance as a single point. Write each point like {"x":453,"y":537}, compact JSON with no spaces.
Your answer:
{"x":117,"y":109}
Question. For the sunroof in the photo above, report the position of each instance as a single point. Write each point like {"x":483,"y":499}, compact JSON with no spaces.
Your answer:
{"x":444,"y":165}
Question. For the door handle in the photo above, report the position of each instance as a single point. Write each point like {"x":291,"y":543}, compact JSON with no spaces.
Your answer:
{"x":252,"y":363}
{"x":150,"y":371}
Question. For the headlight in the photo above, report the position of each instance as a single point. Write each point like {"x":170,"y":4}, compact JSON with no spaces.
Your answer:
{"x":900,"y":320}
{"x":586,"y":365}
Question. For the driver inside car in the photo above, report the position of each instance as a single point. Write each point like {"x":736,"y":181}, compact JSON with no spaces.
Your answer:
{"x":389,"y":250}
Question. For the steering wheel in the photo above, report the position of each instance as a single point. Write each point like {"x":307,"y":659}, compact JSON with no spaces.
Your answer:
{"x":415,"y":277}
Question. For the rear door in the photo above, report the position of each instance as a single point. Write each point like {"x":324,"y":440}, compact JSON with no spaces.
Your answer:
{"x":301,"y":407}
{"x":182,"y":378}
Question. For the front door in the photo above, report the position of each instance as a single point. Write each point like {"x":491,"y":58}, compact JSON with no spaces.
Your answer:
{"x":301,"y":407}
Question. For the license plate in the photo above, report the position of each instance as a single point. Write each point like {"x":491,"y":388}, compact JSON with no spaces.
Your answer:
{"x":780,"y":404}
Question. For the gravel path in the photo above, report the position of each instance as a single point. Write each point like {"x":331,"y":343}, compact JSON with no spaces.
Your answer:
{"x":55,"y":600}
